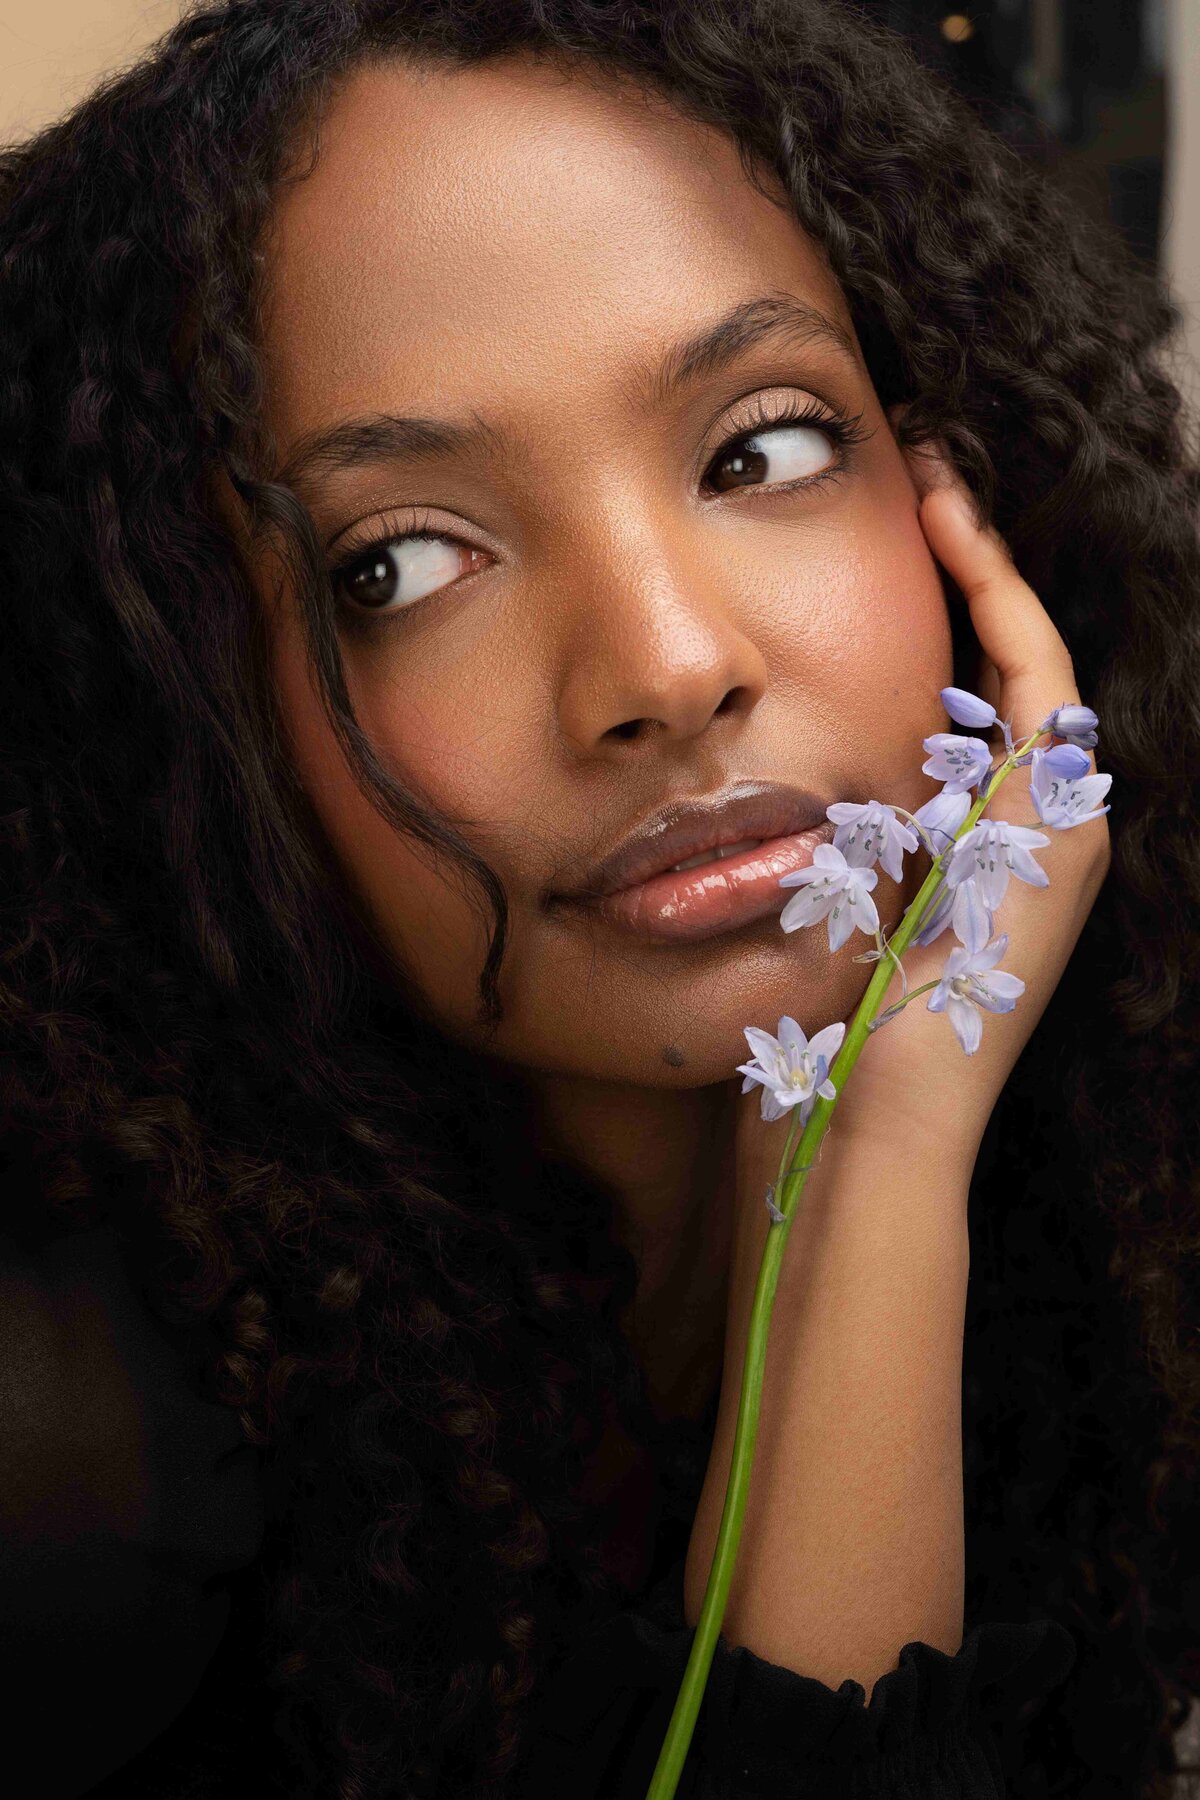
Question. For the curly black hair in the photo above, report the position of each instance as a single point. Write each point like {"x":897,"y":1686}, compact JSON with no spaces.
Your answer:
{"x":416,"y":1315}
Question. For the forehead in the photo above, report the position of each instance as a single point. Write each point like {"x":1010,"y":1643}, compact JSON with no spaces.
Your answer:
{"x":473,"y":236}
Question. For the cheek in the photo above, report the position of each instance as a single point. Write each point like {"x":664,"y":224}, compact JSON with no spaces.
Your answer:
{"x":419,"y":902}
{"x":909,"y":624}
{"x":887,"y":621}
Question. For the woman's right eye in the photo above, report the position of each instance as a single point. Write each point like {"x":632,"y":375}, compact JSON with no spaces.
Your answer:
{"x":390,"y":576}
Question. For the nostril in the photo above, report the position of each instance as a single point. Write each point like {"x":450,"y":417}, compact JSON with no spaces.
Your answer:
{"x":630,"y":729}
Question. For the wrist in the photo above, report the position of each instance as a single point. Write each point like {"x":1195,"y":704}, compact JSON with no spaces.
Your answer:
{"x":874,"y":1178}
{"x":871,"y":1292}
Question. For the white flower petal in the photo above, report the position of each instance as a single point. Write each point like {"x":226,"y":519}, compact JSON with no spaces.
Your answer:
{"x":841,"y":923}
{"x":828,"y":1041}
{"x":967,"y":1023}
{"x":955,"y":963}
{"x":1092,"y":787}
{"x":1004,"y":985}
{"x":988,"y":955}
{"x":972,"y":919}
{"x":962,"y":864}
{"x":808,"y":907}
{"x":944,"y":813}
{"x":1027,"y":869}
{"x":764,"y":1046}
{"x":1084,"y":819}
{"x":891,"y":856}
{"x":992,"y":879}
{"x":863,"y":911}
{"x":993,"y":1001}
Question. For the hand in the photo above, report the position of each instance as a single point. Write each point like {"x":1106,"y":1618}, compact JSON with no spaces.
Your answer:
{"x":912,"y":1075}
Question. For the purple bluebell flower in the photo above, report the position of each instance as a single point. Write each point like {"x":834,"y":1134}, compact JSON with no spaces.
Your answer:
{"x":937,"y":920}
{"x":970,"y":980}
{"x":958,"y":761}
{"x":943,"y":816}
{"x":963,"y":908}
{"x":1075,"y":723}
{"x":791,"y":1069}
{"x":991,"y":851}
{"x":871,"y":831}
{"x":967,"y":709}
{"x":1064,"y":802}
{"x":835,"y":888}
{"x":1065,"y":760}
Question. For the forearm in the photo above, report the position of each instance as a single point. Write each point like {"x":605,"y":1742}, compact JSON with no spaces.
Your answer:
{"x":852,"y":1542}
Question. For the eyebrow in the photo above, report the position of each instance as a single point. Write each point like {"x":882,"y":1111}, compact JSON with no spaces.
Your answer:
{"x":392,"y":437}
{"x":746,"y":325}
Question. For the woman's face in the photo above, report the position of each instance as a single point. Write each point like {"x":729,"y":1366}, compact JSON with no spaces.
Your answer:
{"x":614,"y":601}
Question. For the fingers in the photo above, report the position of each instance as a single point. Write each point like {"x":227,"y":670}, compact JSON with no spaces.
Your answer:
{"x":1015,"y":631}
{"x":1025,"y":667}
{"x":1026,"y":671}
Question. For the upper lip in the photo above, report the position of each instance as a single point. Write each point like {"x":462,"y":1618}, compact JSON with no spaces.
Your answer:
{"x":747,"y":809}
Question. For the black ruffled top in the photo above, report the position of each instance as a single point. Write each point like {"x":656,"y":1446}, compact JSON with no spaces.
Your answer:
{"x":765,"y":1732}
{"x":120,"y":1620}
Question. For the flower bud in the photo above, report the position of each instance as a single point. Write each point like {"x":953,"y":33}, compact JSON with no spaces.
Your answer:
{"x":1078,"y":723}
{"x":1067,"y":761}
{"x":967,"y":709}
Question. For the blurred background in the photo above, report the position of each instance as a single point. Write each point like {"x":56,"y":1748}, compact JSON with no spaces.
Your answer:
{"x":1103,"y":94}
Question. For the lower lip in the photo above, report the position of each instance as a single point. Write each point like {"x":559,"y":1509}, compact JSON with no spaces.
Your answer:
{"x":714,"y":897}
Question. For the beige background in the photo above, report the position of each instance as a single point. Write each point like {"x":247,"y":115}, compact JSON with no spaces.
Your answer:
{"x":53,"y":51}
{"x":1181,"y":198}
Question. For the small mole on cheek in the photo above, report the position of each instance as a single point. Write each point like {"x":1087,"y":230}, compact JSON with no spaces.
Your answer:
{"x":674,"y":1055}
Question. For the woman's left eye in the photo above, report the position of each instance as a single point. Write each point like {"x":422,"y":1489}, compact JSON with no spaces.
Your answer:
{"x":771,"y":454}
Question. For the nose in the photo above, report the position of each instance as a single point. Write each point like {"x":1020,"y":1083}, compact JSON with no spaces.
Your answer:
{"x":656,"y":651}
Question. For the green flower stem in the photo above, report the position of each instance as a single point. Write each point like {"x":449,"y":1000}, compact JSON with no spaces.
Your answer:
{"x":889,"y":1012}
{"x":681,"y":1726}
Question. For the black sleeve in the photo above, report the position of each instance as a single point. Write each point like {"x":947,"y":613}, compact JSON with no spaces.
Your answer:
{"x":767,"y":1733}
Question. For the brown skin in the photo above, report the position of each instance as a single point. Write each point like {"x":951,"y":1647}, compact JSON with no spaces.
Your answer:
{"x":513,"y":245}
{"x":518,"y":245}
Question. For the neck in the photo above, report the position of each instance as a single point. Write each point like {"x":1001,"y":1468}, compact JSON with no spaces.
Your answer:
{"x":667,"y":1157}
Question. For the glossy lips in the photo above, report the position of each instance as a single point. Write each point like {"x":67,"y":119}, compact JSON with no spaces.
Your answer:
{"x":716,"y":896}
{"x":638,"y":886}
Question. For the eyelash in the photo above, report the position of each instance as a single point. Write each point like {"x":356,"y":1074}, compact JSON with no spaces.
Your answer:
{"x":843,"y":430}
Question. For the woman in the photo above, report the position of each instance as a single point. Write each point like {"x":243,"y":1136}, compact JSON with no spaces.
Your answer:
{"x":442,"y":441}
